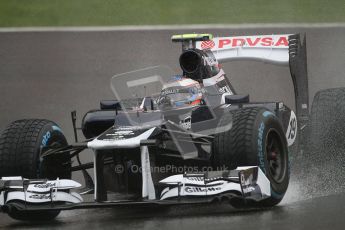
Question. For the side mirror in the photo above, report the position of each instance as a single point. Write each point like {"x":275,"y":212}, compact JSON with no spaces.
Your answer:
{"x":236,"y":99}
{"x":110,"y":105}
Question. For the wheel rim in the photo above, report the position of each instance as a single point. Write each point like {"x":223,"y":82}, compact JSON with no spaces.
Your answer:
{"x":275,"y":156}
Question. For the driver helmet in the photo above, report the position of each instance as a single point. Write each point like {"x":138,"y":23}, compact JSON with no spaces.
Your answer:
{"x":180,"y":93}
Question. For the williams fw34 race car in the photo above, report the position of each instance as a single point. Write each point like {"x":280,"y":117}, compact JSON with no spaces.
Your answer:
{"x":167,"y":139}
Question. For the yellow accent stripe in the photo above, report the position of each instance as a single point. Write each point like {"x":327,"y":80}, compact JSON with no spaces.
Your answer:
{"x":190,"y":36}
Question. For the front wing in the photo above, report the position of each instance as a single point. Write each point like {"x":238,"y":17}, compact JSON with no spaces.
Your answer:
{"x":245,"y":183}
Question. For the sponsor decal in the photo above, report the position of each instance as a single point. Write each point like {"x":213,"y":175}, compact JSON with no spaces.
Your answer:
{"x":195,"y":178}
{"x":260,"y":148}
{"x":129,"y":128}
{"x":209,"y":61}
{"x":189,"y":189}
{"x":41,"y":196}
{"x":113,"y":139}
{"x":46,"y":185}
{"x":121,"y":133}
{"x":186,"y":123}
{"x":248,"y":179}
{"x":249,"y":41}
{"x":207,"y":44}
{"x":225,"y":89}
{"x":170,"y":91}
{"x":248,"y":189}
{"x":223,"y":86}
{"x":46,"y":138}
{"x":242,"y":179}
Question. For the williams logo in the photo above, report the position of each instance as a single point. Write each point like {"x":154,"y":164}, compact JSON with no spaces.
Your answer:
{"x":201,"y":189}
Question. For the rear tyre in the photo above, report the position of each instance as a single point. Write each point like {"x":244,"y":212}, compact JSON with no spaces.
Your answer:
{"x":255,"y":139}
{"x":323,"y":157}
{"x":21,"y":145}
{"x":327,"y":121}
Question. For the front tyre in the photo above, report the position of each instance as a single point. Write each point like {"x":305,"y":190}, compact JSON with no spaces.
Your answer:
{"x":21,"y":145}
{"x":255,"y":139}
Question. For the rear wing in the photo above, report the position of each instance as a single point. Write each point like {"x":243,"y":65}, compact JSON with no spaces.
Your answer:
{"x":269,"y":48}
{"x":283,"y":49}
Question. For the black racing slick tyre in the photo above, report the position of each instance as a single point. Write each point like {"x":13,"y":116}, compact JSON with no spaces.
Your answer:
{"x":21,"y":145}
{"x":327,"y":121}
{"x":256,"y":138}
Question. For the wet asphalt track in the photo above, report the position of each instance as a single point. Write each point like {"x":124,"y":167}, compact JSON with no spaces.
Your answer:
{"x":48,"y":74}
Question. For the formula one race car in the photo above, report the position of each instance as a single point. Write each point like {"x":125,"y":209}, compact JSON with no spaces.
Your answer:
{"x":167,"y":140}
